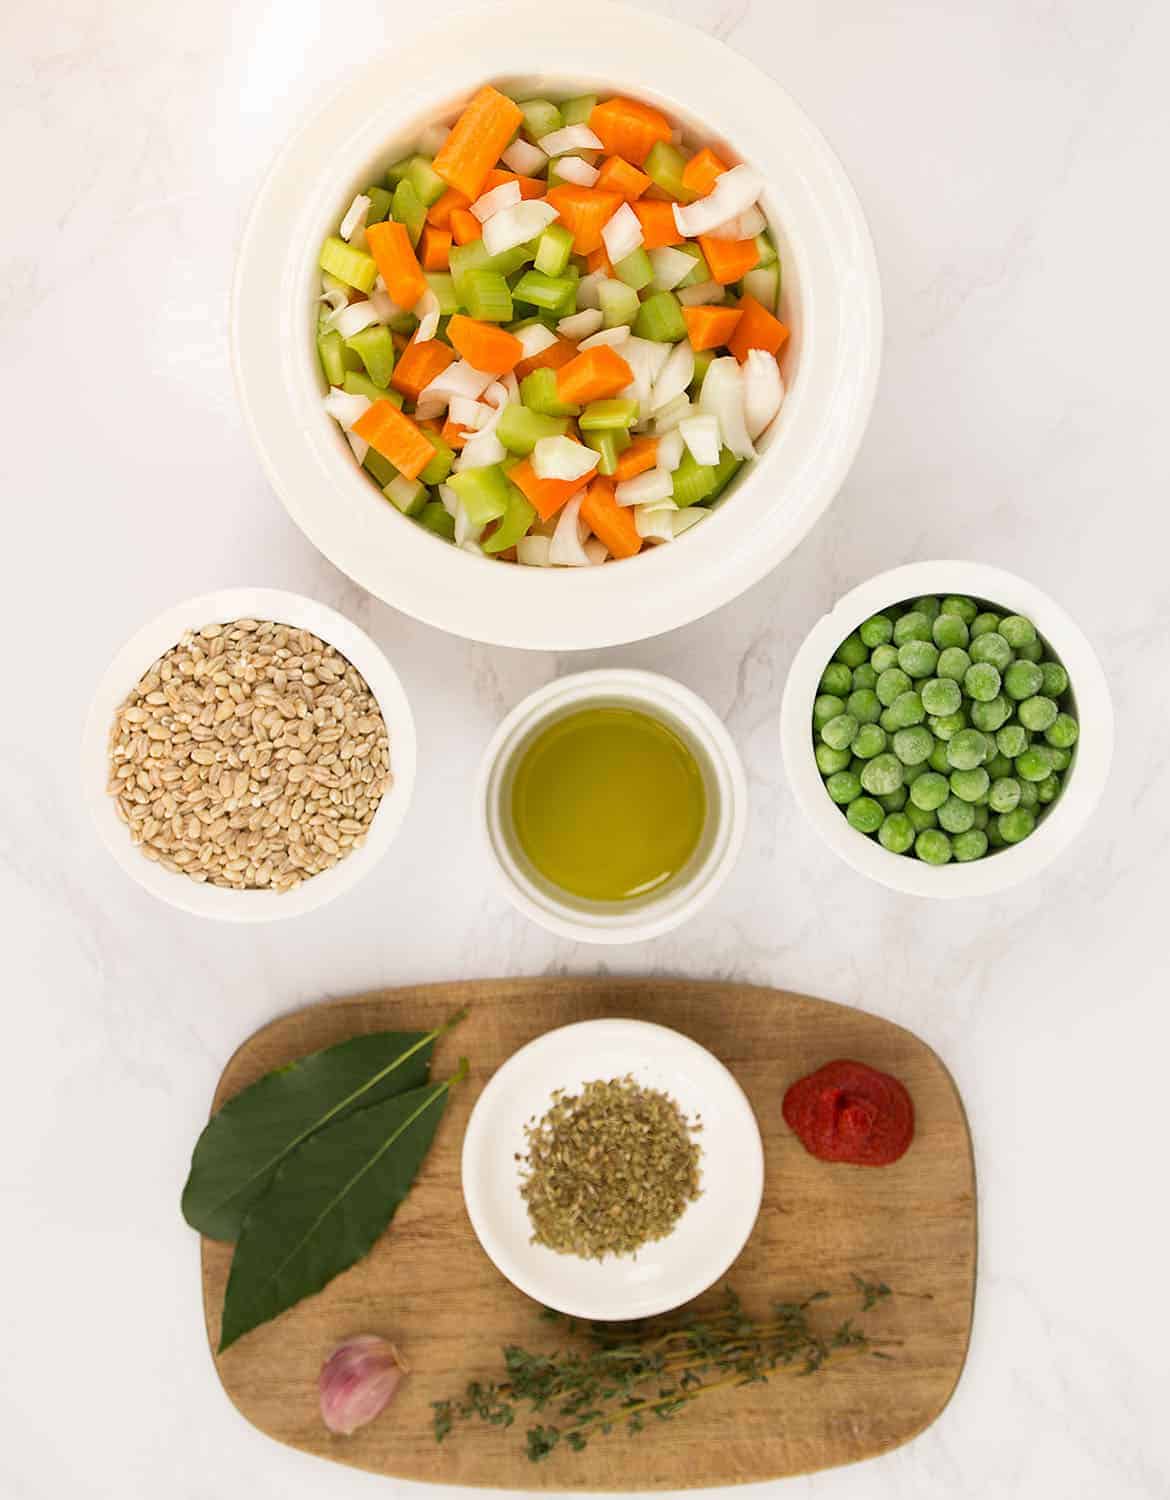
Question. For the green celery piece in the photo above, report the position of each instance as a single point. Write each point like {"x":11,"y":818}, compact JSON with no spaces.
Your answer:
{"x":660,"y":318}
{"x":541,"y":117}
{"x":331,"y":351}
{"x":725,"y":471}
{"x":607,"y":444}
{"x":434,"y":517}
{"x":703,"y":358}
{"x":553,"y":250}
{"x":486,"y":296}
{"x":692,"y":481}
{"x":380,"y":468}
{"x":538,"y":391}
{"x":395,"y":173}
{"x":619,"y":303}
{"x":577,"y":111}
{"x":375,"y":347}
{"x":426,"y":182}
{"x":520,"y":428}
{"x":354,"y":267}
{"x":442,"y":283}
{"x":702,"y":271}
{"x":765,"y":249}
{"x":439,"y":467}
{"x":664,"y":166}
{"x":474,"y":257}
{"x":380,"y":201}
{"x":635,"y":270}
{"x":763,"y":283}
{"x":603,"y":416}
{"x":549,"y":292}
{"x":483,"y":493}
{"x":409,"y":209}
{"x":406,"y":495}
{"x":516,"y":522}
{"x":358,"y":384}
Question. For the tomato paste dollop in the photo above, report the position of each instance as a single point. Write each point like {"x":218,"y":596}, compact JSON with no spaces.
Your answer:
{"x":847,"y":1111}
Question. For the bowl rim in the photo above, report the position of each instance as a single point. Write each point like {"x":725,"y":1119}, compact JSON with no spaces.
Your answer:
{"x":157,"y":636}
{"x":826,"y":411}
{"x":1008,"y":866}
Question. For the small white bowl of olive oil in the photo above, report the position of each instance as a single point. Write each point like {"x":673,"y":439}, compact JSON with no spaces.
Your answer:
{"x":614,"y":804}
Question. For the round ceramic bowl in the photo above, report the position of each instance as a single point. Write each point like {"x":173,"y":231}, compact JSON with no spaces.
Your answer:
{"x":151,"y":642}
{"x":1004,"y":867}
{"x":712,"y":1230}
{"x":831,"y":302}
{"x":723,"y":779}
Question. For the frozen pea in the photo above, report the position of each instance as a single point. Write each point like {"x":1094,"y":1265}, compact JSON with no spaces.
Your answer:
{"x":1049,"y":789}
{"x":826,"y":706}
{"x":1012,"y":740}
{"x":864,"y":676}
{"x":965,"y":750}
{"x":882,"y":774}
{"x":1037,"y":714}
{"x":1023,"y":679}
{"x":839,"y":732}
{"x":950,"y":630}
{"x":998,"y":765}
{"x":911,"y":774}
{"x":883,"y":657}
{"x":982,"y":681}
{"x":1055,"y":679}
{"x":906,"y":709}
{"x":1062,"y":732}
{"x":932,"y":847}
{"x":930,"y":791}
{"x":921,"y":817}
{"x":890,"y":683}
{"x":984,"y":623}
{"x":1061,"y":758}
{"x":865,"y":814}
{"x":981,"y":815}
{"x":946,"y":726}
{"x":843,"y":786}
{"x":993,"y":648}
{"x":1017,"y":630}
{"x":852,"y":651}
{"x":1016,"y":825}
{"x":1031,"y":650}
{"x":1035,"y":763}
{"x":837,"y":678}
{"x":913,"y":626}
{"x":830,"y":760}
{"x":855,"y":764}
{"x":896,"y":833}
{"x":863,"y":705}
{"x":912,"y":746}
{"x":1029,"y":796}
{"x":928,"y":605}
{"x":959,"y":604}
{"x":941,"y":695}
{"x":869,"y":741}
{"x":956,"y":816}
{"x":894,"y":801}
{"x":969,"y":786}
{"x":970,"y":845}
{"x":877,"y":630}
{"x":953,"y":662}
{"x":995,"y":839}
{"x":991,"y":714}
{"x":918,"y":658}
{"x":937,"y":760}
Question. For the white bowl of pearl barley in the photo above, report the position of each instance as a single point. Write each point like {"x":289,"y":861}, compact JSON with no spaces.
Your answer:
{"x":249,"y":755}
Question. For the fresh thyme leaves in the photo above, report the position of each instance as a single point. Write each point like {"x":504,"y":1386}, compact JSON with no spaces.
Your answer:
{"x":633,"y":1373}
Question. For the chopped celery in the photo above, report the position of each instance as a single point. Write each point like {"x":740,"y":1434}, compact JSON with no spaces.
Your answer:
{"x":516,"y":522}
{"x":553,"y":250}
{"x":577,"y":111}
{"x":692,"y":481}
{"x":434,"y":517}
{"x":426,"y":182}
{"x":331,"y":350}
{"x":765,"y":249}
{"x":440,"y":466}
{"x":380,"y":201}
{"x":483,"y":493}
{"x":619,"y":303}
{"x":358,"y":384}
{"x":474,"y":257}
{"x":635,"y":270}
{"x":520,"y":428}
{"x":486,"y":296}
{"x":607,"y":445}
{"x":664,"y":166}
{"x":409,"y":209}
{"x":354,"y":267}
{"x":764,"y":285}
{"x":541,"y":117}
{"x":602,"y":416}
{"x":725,"y":471}
{"x":407,"y":494}
{"x":703,"y":360}
{"x":538,"y":391}
{"x":381,"y":468}
{"x":375,"y":347}
{"x":397,"y":172}
{"x":544,"y":291}
{"x":702,"y":271}
{"x":442,"y":283}
{"x":660,"y":318}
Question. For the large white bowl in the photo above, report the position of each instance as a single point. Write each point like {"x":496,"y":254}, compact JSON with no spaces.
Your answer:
{"x":1001,"y":868}
{"x":831,"y":301}
{"x":157,"y":637}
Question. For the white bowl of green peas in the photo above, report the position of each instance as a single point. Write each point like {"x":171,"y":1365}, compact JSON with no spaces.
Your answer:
{"x":947,"y":729}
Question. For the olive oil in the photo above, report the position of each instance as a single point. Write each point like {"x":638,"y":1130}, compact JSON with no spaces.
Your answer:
{"x":608,"y":803}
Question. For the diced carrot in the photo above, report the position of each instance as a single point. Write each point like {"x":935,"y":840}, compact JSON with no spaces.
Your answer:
{"x":708,"y":327}
{"x":593,"y":375}
{"x":454,"y":435}
{"x":487,"y":346}
{"x":598,"y":260}
{"x":550,"y":358}
{"x":584,"y":212}
{"x":477,"y":138}
{"x":728,"y":259}
{"x":397,"y":263}
{"x":465,"y":227}
{"x":440,"y":211}
{"x":417,"y":366}
{"x":396,"y":437}
{"x":658,"y":226}
{"x":700,"y":172}
{"x":547,"y":495}
{"x":436,"y":248}
{"x":642,"y":454}
{"x":617,"y":175}
{"x":628,"y":128}
{"x":530,"y":187}
{"x":607,"y":520}
{"x":757,"y":329}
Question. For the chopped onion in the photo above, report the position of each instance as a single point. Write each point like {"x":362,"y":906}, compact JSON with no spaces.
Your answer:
{"x":458,"y":379}
{"x":677,"y":373}
{"x":535,"y":338}
{"x":533,"y":551}
{"x":569,"y":138}
{"x":464,"y":530}
{"x":596,"y":550}
{"x":511,"y":388}
{"x":763,"y":391}
{"x":672,"y":414}
{"x":525,"y":158}
{"x":450,"y":500}
{"x":743,"y":227}
{"x":683,"y":520}
{"x":577,"y":169}
{"x":473,"y":547}
{"x":566,"y":548}
{"x":587,"y":289}
{"x":670,"y":266}
{"x":431,"y":140}
{"x":344,"y":408}
{"x":670,"y":450}
{"x":516,"y":225}
{"x":581,"y":324}
{"x":705,"y":294}
{"x":427,"y":311}
{"x":385,"y":306}
{"x":355,"y":216}
{"x":428,"y":407}
{"x":616,"y":335}
{"x":733,"y":194}
{"x":701,"y":435}
{"x":654,"y":525}
{"x":335,"y":298}
{"x":562,"y":458}
{"x":655,"y":485}
{"x":353,"y":317}
{"x":468,"y":414}
{"x":622,"y":234}
{"x":481,"y":451}
{"x":507,"y":195}
{"x":723,"y":397}
{"x":359,"y":445}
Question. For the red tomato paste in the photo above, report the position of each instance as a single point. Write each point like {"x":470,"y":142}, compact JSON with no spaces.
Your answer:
{"x":847,"y":1111}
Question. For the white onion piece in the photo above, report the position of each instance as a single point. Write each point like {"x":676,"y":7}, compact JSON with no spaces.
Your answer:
{"x":517,"y":225}
{"x":612,"y":336}
{"x":646,"y":358}
{"x":670,"y":266}
{"x":652,"y":487}
{"x":676,"y":374}
{"x":353,"y":317}
{"x":535,"y":338}
{"x":701,"y":435}
{"x":451,"y":502}
{"x":622,"y":234}
{"x":670,"y":451}
{"x":587,"y":289}
{"x":733,"y":194}
{"x":468,"y":414}
{"x":481,"y":450}
{"x":473,"y":547}
{"x":511,"y":388}
{"x":683,"y":520}
{"x":428,"y":407}
{"x":577,"y":169}
{"x":562,"y":458}
{"x":533,"y":551}
{"x":355,"y":215}
{"x":569,"y":138}
{"x":344,"y":408}
{"x":672,"y":414}
{"x":525,"y":158}
{"x":497,"y":397}
{"x":596,"y":550}
{"x":335,"y":298}
{"x":566,"y":549}
{"x":742,"y":227}
{"x":427,"y":311}
{"x":458,"y":379}
{"x":654,"y":525}
{"x":704,"y":294}
{"x":581,"y":324}
{"x":385,"y":306}
{"x":763,"y":391}
{"x":723,"y":397}
{"x":507,"y":195}
{"x":430,"y":141}
{"x":359,"y":445}
{"x":464,"y":530}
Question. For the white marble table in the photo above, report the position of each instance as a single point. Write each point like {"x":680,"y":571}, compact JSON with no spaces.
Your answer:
{"x":1012,"y":160}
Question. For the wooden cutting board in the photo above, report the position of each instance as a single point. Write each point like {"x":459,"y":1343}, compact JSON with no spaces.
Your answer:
{"x":428,"y":1286}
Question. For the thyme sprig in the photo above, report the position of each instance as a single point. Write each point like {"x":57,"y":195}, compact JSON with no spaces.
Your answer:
{"x":634,"y":1373}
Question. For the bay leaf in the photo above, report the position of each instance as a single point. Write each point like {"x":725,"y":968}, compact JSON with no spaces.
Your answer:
{"x":328,"y":1202}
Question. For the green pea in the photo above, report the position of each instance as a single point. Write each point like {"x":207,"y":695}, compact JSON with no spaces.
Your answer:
{"x":883,"y":657}
{"x":864,"y":676}
{"x":863,"y":705}
{"x":918,"y":658}
{"x":837,"y":678}
{"x":995,"y":839}
{"x":1061,"y":758}
{"x":941,"y":696}
{"x":993,"y":648}
{"x":876,"y":630}
{"x":991,"y":714}
{"x":1029,"y":796}
{"x":839,"y":732}
{"x":1055,"y":679}
{"x":937,"y":760}
{"x":882,"y":774}
{"x":870,"y":741}
{"x":830,"y":760}
{"x":906,"y":709}
{"x":959,"y":604}
{"x":956,"y":816}
{"x":865,"y":815}
{"x":932,"y":847}
{"x":893,"y":801}
{"x":826,"y":706}
{"x":921,"y":817}
{"x":1063,"y":731}
{"x":928,"y":605}
{"x":843,"y":787}
{"x":969,"y":786}
{"x":890,"y":683}
{"x":855,"y":764}
{"x":1031,"y":650}
{"x":1017,"y":630}
{"x":953,"y":662}
{"x":970,"y":845}
{"x":945,"y":726}
{"x":999,"y":765}
{"x":1016,"y":825}
{"x":982,"y":681}
{"x":852,"y":651}
{"x":1049,"y":789}
{"x":1012,"y":740}
{"x":1023,"y":679}
{"x":912,"y":746}
{"x":1035,"y":763}
{"x":896,"y":833}
{"x":965,"y":750}
{"x":950,"y":630}
{"x":910,"y":774}
{"x":911,"y":627}
{"x":984,"y":623}
{"x":1037,"y":714}
{"x":930,"y":791}
{"x":981,"y":815}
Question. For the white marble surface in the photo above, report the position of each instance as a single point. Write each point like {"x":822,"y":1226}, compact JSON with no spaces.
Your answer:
{"x":1011,"y":156}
